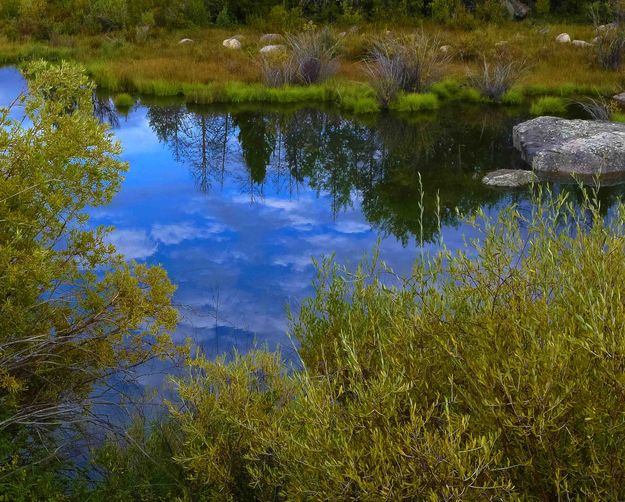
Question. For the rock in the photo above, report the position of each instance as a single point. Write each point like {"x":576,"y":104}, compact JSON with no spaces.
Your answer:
{"x":268,"y":49}
{"x":231,"y":43}
{"x":581,"y":43}
{"x":596,"y":40}
{"x":510,"y":178}
{"x":269,"y":38}
{"x":185,"y":41}
{"x":517,"y":9}
{"x":343,"y":34}
{"x":501,"y":43}
{"x":620,"y":99}
{"x":584,"y":147}
{"x":563,"y":38}
{"x":445,"y":48}
{"x":606,"y":27}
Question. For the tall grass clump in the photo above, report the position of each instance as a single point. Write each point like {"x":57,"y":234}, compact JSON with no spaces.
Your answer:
{"x":492,"y":373}
{"x":123,"y":101}
{"x":497,"y":77}
{"x":408,"y":64}
{"x":415,"y":102}
{"x":610,"y":48}
{"x":314,"y":55}
{"x":310,"y":57}
{"x":597,"y":109}
{"x":548,"y":105}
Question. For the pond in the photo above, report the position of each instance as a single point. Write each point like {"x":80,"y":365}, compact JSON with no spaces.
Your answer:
{"x":235,"y":202}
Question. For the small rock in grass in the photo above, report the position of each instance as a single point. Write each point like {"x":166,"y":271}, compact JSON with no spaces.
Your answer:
{"x":272,"y":48}
{"x":509,"y":178}
{"x":269,"y":38}
{"x":581,"y":43}
{"x":445,"y":48}
{"x":231,"y":43}
{"x":185,"y":41}
{"x":620,"y":99}
{"x":606,"y":27}
{"x":563,"y":38}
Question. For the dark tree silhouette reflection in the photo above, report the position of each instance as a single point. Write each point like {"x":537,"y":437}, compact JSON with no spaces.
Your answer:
{"x":390,"y":164}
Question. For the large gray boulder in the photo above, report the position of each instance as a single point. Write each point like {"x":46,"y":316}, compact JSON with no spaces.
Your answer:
{"x":509,"y":178}
{"x":584,"y":147}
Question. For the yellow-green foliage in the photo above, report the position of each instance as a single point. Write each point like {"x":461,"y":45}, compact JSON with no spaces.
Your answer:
{"x":73,"y":311}
{"x":548,"y":105}
{"x":495,"y":373}
{"x":414,"y":102}
{"x":123,"y":101}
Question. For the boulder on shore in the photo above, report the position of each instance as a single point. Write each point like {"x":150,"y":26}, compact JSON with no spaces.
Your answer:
{"x":583,"y":147}
{"x":509,"y":178}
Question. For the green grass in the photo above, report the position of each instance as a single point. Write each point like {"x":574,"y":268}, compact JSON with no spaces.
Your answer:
{"x":123,"y":101}
{"x":415,"y":102}
{"x":548,"y":105}
{"x":618,"y":117}
{"x":512,"y":97}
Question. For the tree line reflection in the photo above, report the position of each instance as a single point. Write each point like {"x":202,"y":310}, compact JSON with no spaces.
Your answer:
{"x":408,"y":173}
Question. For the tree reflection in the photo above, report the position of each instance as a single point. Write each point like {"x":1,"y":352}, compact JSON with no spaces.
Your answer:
{"x":390,"y":164}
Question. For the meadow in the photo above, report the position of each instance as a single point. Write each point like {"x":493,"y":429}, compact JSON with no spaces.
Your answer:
{"x":203,"y":71}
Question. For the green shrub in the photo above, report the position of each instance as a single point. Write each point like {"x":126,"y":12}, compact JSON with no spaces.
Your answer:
{"x":543,"y":7}
{"x":495,"y":373}
{"x":123,"y":101}
{"x":548,"y":105}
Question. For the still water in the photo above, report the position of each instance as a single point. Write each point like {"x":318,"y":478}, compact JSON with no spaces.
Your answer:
{"x":236,"y":202}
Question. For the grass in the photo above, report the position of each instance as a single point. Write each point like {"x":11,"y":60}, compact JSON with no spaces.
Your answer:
{"x":123,"y":101}
{"x":415,"y":102}
{"x":548,"y":105}
{"x":205,"y":72}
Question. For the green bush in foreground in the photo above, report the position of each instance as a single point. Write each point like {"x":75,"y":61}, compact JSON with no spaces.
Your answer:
{"x":496,"y":372}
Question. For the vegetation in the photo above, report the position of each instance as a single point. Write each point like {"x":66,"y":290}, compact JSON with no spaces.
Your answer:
{"x":469,"y":379}
{"x":72,"y":311}
{"x":548,"y":105}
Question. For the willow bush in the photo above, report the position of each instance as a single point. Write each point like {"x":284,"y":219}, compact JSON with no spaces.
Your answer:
{"x":494,"y":372}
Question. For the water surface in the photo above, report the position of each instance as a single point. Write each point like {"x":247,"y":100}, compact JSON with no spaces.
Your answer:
{"x":235,"y":202}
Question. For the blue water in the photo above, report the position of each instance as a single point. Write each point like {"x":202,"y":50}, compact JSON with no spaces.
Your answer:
{"x":236,"y":202}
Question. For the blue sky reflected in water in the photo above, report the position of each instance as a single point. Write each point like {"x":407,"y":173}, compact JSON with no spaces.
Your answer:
{"x":235,"y":203}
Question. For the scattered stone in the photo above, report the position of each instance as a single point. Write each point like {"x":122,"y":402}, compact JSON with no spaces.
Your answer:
{"x":343,"y":34}
{"x":517,"y":9}
{"x":445,"y":48}
{"x":231,"y":43}
{"x":269,"y":38}
{"x":606,"y":27}
{"x":509,"y":178}
{"x":563,"y":38}
{"x":620,"y":99}
{"x":596,"y":40}
{"x":581,"y":43}
{"x":584,"y":147}
{"x":185,"y":41}
{"x":272,"y":48}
